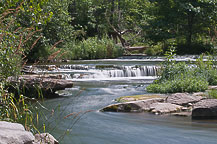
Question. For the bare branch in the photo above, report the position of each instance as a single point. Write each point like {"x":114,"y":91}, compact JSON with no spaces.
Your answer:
{"x":36,"y":42}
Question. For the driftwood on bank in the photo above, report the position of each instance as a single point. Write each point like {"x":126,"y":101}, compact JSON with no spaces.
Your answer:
{"x":140,"y":48}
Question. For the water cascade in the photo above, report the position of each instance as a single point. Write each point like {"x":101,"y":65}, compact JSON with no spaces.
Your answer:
{"x":108,"y":71}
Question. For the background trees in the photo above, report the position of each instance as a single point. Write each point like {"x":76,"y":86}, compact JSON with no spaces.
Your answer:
{"x":187,"y":22}
{"x":189,"y":25}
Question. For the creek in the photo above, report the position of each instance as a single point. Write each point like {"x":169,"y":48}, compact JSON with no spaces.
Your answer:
{"x":96,"y":84}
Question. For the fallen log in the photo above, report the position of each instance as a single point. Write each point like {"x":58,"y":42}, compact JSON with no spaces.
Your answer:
{"x":140,"y":48}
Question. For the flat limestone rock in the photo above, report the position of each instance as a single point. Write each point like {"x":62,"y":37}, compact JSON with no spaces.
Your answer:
{"x":46,"y":84}
{"x":14,"y":133}
{"x":164,"y":108}
{"x":133,"y":106}
{"x":183,"y":99}
{"x":205,"y":109}
{"x":139,"y":97}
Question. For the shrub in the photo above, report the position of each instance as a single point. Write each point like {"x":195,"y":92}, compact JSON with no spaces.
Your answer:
{"x":154,"y":50}
{"x":93,"y":48}
{"x":183,"y":84}
{"x":194,"y":48}
{"x":180,"y":77}
{"x":212,"y":93}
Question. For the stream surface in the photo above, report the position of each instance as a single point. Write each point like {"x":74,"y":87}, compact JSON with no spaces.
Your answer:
{"x":96,"y":85}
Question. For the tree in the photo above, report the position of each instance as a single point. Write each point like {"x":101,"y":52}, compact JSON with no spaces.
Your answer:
{"x":57,"y":31}
{"x":181,"y":19}
{"x":112,"y":17}
{"x":14,"y":36}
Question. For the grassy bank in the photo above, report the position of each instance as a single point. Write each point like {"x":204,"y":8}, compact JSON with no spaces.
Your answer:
{"x":182,"y":77}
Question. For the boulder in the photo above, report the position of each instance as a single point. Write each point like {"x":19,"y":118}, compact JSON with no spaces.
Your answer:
{"x":164,"y":108}
{"x":183,"y":99}
{"x":14,"y":133}
{"x":45,"y":138}
{"x":205,"y":109}
{"x":46,"y":84}
{"x":133,"y":106}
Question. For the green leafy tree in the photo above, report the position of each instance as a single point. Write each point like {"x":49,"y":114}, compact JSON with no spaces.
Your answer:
{"x":183,"y":20}
{"x":14,"y":36}
{"x":56,"y":32}
{"x":113,"y":17}
{"x":13,"y":39}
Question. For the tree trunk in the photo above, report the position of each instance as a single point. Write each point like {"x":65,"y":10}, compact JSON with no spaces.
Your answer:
{"x":190,"y":28}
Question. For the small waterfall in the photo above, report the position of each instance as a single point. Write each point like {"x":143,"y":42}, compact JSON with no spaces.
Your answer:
{"x":102,"y":71}
{"x":75,"y":67}
{"x":129,"y":71}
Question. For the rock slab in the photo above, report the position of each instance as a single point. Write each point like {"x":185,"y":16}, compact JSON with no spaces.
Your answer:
{"x":205,"y":109}
{"x":46,"y":84}
{"x":133,"y":106}
{"x":164,"y":108}
{"x":14,"y":133}
{"x":183,"y":99}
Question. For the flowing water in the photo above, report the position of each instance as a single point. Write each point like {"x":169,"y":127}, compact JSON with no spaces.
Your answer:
{"x":96,"y":85}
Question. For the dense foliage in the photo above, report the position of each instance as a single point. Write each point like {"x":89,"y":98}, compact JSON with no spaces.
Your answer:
{"x":92,"y":48}
{"x":13,"y":39}
{"x":182,"y":77}
{"x":188,"y":25}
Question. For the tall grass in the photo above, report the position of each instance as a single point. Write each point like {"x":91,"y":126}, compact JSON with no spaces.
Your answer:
{"x":18,"y":109}
{"x":13,"y":39}
{"x":92,"y":48}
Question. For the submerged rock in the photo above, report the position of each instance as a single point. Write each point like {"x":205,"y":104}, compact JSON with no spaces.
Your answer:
{"x":14,"y":133}
{"x":205,"y":109}
{"x":133,"y":106}
{"x":183,"y":99}
{"x":182,"y":114}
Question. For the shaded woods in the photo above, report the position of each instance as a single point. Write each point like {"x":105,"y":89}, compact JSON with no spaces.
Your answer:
{"x":92,"y":26}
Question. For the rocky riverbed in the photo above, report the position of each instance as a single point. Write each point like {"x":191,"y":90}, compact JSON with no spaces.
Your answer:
{"x":196,"y":105}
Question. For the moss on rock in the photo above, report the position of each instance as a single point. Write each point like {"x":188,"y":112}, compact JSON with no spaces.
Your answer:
{"x":138,"y":97}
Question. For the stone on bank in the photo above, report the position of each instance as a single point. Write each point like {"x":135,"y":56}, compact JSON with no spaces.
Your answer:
{"x":14,"y":133}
